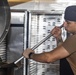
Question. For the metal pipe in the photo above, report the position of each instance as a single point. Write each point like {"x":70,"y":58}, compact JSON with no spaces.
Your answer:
{"x":38,"y":44}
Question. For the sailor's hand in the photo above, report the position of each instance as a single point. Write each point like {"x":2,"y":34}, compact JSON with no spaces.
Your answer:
{"x":56,"y":32}
{"x":27,"y":52}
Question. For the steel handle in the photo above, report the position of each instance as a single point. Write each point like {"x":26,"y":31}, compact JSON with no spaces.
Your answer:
{"x":38,"y":44}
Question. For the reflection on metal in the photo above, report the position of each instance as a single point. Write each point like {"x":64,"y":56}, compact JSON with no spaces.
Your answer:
{"x":17,"y":17}
{"x":15,"y":45}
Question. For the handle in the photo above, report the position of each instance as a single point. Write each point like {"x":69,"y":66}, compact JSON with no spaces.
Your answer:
{"x":38,"y":44}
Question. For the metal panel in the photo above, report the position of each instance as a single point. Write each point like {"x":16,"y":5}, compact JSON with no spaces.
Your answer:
{"x":26,"y":34}
{"x":15,"y":40}
{"x":39,"y":27}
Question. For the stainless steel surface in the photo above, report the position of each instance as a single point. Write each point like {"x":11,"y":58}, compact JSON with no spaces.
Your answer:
{"x":4,"y":19}
{"x":15,"y":40}
{"x":38,"y":44}
{"x":15,"y":46}
{"x":17,"y":17}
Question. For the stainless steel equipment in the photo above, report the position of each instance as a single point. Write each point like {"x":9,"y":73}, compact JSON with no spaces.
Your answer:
{"x":27,"y":29}
{"x":40,"y":23}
